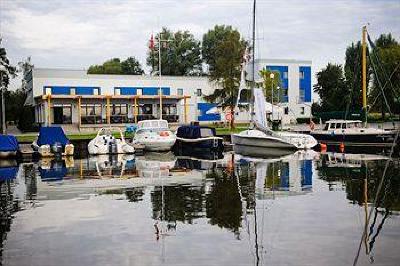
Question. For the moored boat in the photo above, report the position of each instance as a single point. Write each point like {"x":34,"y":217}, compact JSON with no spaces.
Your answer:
{"x":52,"y":141}
{"x":9,"y":147}
{"x":155,"y":135}
{"x":198,"y":137}
{"x":106,"y":143}
{"x":353,"y":133}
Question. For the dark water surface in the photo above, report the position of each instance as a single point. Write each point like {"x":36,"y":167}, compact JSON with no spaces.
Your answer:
{"x":160,"y":209}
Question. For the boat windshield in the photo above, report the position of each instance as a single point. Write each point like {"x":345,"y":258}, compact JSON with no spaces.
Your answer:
{"x":153,"y":124}
{"x":206,"y":132}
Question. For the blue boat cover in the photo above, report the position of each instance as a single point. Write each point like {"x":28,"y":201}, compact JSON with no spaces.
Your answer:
{"x":53,"y":174}
{"x":8,"y":143}
{"x":8,"y":173}
{"x":51,"y":135}
{"x":192,"y":132}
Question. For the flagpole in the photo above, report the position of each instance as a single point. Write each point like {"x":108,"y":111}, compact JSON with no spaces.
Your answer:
{"x":159,"y":72}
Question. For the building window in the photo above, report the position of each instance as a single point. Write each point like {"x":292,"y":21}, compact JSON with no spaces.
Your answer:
{"x":301,"y":74}
{"x":285,"y":75}
{"x":73,"y":91}
{"x":139,"y":91}
{"x":62,"y":114}
{"x":180,"y":92}
{"x":119,"y":113}
{"x":91,"y":114}
{"x":286,"y":110}
{"x":302,"y":110}
{"x":199,"y":93}
{"x":301,"y":96}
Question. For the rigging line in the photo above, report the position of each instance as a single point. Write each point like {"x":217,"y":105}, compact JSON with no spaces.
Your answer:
{"x":244,"y":208}
{"x":387,"y":81}
{"x":378,"y":59}
{"x":380,"y":86}
{"x":377,"y":194}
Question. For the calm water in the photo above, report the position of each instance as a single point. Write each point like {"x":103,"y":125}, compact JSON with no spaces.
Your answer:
{"x":162,"y":209}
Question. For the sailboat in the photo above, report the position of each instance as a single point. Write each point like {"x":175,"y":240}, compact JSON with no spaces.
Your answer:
{"x":259,"y":139}
{"x":354,"y":132}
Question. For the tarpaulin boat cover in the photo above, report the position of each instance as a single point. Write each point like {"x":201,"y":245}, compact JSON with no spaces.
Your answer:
{"x":51,"y":135}
{"x":193,"y":132}
{"x":8,"y":143}
{"x":53,"y":174}
{"x":8,"y":173}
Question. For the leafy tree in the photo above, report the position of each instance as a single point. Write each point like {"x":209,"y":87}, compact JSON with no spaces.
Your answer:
{"x":180,"y":54}
{"x":332,"y":89}
{"x":386,"y":59}
{"x":269,"y":83}
{"x":353,"y":74}
{"x":130,"y":66}
{"x":7,"y":71}
{"x":223,"y":48}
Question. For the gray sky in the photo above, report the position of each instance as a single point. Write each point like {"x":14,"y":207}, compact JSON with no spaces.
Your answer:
{"x":78,"y":33}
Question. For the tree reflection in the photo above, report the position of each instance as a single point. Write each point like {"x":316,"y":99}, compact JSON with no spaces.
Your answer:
{"x":223,"y":204}
{"x":181,"y":203}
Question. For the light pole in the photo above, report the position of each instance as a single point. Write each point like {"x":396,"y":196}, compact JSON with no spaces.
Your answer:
{"x":272,"y":95}
{"x":3,"y":103}
{"x":159,"y":67}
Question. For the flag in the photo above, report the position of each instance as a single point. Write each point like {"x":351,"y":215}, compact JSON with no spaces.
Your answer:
{"x":151,"y":44}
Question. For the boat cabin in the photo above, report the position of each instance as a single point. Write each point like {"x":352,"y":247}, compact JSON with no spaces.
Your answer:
{"x":194,"y":132}
{"x":342,"y":124}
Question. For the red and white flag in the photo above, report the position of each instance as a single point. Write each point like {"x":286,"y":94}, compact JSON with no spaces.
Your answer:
{"x":151,"y":44}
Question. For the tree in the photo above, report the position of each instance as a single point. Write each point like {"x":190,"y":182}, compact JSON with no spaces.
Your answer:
{"x":269,"y":83}
{"x":223,"y":50}
{"x":131,"y":66}
{"x":332,"y":89}
{"x":385,"y":60}
{"x":115,"y":66}
{"x":353,"y":74}
{"x":180,"y":54}
{"x":7,"y":71}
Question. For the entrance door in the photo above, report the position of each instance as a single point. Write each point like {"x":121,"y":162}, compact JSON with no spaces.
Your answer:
{"x":58,"y":115}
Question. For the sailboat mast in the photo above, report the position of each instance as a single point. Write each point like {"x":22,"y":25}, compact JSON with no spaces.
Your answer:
{"x":364,"y":70}
{"x":253,"y":62}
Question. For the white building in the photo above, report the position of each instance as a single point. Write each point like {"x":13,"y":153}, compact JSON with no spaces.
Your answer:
{"x":80,"y":101}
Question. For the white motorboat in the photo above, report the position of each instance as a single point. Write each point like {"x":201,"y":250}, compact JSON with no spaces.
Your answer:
{"x":106,"y":143}
{"x":155,"y":135}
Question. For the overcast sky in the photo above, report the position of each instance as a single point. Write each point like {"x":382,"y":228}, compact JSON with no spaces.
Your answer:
{"x":78,"y":33}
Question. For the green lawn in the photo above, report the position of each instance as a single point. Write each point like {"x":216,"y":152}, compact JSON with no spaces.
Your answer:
{"x":30,"y":137}
{"x":82,"y":136}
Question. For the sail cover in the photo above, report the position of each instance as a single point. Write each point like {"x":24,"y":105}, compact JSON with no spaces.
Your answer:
{"x":8,"y":143}
{"x":51,"y":135}
{"x":260,"y":108}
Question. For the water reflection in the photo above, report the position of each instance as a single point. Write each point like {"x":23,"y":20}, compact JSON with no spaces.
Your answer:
{"x":222,"y":197}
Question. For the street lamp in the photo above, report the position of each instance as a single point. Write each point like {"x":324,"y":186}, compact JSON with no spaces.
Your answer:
{"x":3,"y":107}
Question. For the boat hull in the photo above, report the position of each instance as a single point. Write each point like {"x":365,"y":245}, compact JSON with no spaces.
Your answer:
{"x":374,"y":140}
{"x":8,"y":154}
{"x":261,"y":142}
{"x":200,"y":143}
{"x":154,"y":145}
